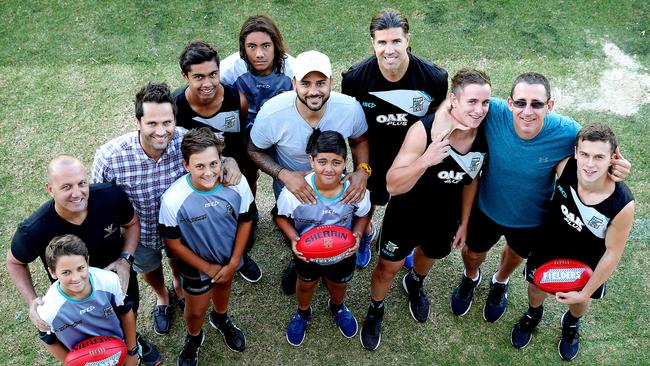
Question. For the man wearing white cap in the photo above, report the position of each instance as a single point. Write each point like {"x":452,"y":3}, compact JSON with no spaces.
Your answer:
{"x":285,"y":122}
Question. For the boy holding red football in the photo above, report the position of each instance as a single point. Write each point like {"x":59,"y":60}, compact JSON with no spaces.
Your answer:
{"x":85,"y":301}
{"x":327,"y":156}
{"x":206,"y":225}
{"x":589,"y":220}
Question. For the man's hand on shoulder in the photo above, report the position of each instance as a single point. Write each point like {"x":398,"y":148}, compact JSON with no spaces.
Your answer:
{"x":296,"y":184}
{"x":35,"y":318}
{"x":230,"y":173}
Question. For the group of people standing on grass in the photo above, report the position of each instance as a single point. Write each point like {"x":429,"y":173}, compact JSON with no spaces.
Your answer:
{"x":455,"y":170}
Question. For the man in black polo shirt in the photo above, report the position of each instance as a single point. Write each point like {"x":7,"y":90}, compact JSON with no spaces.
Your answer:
{"x":95,"y":213}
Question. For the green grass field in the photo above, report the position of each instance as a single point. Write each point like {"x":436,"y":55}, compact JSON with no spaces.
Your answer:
{"x":69,"y":71}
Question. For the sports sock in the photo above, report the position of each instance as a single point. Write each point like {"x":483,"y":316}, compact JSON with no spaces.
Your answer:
{"x":220,"y":318}
{"x":478,"y":274}
{"x":570,"y":319}
{"x":494,"y":280}
{"x":305,"y":314}
{"x":335,"y":307}
{"x":376,"y":307}
{"x":414,"y":280}
{"x":196,"y":338}
{"x":536,"y":312}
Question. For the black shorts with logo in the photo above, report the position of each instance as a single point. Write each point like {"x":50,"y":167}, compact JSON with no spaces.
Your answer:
{"x":340,"y":272}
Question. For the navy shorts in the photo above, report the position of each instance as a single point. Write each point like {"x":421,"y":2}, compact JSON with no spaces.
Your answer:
{"x":483,"y":233}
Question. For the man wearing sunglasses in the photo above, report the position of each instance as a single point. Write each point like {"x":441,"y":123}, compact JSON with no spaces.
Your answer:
{"x":526,"y":141}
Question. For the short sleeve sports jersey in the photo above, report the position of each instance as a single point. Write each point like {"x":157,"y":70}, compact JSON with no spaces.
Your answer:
{"x":391,"y":108}
{"x":326,"y":211}
{"x":226,"y":120}
{"x":206,"y":222}
{"x":75,"y":320}
{"x":257,"y":89}
{"x":108,"y":209}
{"x":281,"y":128}
{"x":439,"y":189}
{"x":517,"y":186}
{"x":574,"y":229}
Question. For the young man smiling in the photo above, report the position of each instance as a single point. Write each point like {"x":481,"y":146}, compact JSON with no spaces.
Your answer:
{"x":205,"y":101}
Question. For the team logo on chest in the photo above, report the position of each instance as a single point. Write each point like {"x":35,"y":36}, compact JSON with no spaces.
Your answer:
{"x":572,"y":219}
{"x":418,"y":105}
{"x":595,"y":222}
{"x":475,"y":164}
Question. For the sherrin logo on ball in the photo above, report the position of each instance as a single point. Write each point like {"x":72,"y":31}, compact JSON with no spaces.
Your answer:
{"x":326,"y":244}
{"x":97,"y":351}
{"x":562,"y":275}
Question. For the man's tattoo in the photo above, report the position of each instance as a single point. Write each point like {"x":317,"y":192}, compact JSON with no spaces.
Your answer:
{"x":264,"y":160}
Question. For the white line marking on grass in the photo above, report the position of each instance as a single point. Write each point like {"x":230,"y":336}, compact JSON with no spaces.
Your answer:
{"x":624,"y":86}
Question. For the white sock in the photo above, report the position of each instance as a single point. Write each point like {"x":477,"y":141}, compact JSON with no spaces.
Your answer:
{"x":478,"y":274}
{"x":494,"y":280}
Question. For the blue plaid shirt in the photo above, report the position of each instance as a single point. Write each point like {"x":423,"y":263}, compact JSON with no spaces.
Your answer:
{"x":124,"y":162}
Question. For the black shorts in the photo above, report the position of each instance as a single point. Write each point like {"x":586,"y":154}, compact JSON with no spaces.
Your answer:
{"x":133,"y":291}
{"x":340,"y":272}
{"x":191,"y":280}
{"x":529,"y":272}
{"x":377,"y":186}
{"x":483,"y":233}
{"x":402,"y":231}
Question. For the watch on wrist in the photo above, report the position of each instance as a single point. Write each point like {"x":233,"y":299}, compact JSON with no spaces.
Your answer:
{"x":133,"y":351}
{"x":127,"y":257}
{"x":365,"y":167}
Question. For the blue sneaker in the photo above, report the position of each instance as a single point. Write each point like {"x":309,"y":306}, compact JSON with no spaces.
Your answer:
{"x":408,"y":261}
{"x":297,"y":329}
{"x":496,"y":303}
{"x":364,"y":253}
{"x":345,"y":320}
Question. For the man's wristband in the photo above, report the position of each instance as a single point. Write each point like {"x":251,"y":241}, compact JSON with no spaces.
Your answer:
{"x":127,"y":257}
{"x":365,"y":167}
{"x":134,"y":351}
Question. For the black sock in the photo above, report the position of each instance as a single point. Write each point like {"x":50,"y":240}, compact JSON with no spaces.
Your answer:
{"x":570,"y":319}
{"x":305,"y":314}
{"x":414,"y":280}
{"x":376,"y":307}
{"x":536,"y":312}
{"x":220,"y":318}
{"x":335,"y":307}
{"x":196,"y":338}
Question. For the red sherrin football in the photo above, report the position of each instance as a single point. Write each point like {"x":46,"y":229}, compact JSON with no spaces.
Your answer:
{"x":562,"y":275}
{"x":325,"y":244}
{"x":96,"y":351}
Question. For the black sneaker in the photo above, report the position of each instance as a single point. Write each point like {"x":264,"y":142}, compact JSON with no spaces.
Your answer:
{"x":569,"y":344}
{"x":289,"y":278}
{"x":418,"y":302}
{"x":522,"y":332}
{"x":250,"y":271}
{"x":371,"y":332}
{"x":232,"y":335}
{"x":189,"y":356}
{"x":461,"y":298}
{"x":496,"y":303}
{"x":162,"y":321}
{"x":150,"y":355}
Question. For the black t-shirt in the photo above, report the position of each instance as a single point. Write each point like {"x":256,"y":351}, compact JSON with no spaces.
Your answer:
{"x":391,"y":108}
{"x":225,"y":120}
{"x":108,"y":209}
{"x":439,"y":189}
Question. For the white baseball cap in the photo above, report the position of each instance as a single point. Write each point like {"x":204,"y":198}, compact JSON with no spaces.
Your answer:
{"x":309,"y":61}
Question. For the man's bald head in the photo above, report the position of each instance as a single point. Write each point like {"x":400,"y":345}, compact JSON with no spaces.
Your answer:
{"x":61,"y":161}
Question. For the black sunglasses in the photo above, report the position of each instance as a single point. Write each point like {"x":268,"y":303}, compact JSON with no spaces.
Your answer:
{"x":534,"y":104}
